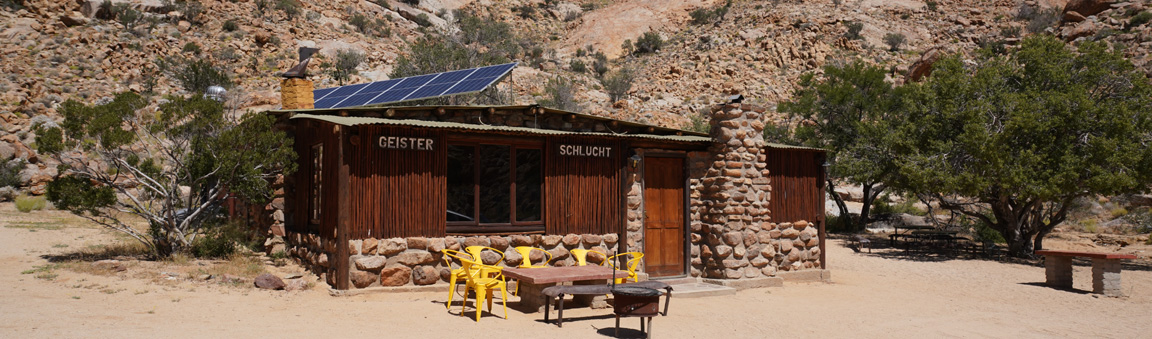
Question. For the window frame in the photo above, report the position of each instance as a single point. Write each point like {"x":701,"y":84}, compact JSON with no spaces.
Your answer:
{"x":316,"y":186}
{"x":512,"y":226}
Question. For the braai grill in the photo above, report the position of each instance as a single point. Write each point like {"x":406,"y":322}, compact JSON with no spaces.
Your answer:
{"x":637,"y":301}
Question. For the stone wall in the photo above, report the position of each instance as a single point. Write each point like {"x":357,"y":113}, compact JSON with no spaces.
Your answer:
{"x":418,"y":261}
{"x":732,"y":235}
{"x":296,"y":93}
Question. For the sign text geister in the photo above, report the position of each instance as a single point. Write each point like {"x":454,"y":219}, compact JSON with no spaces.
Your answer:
{"x":419,"y":144}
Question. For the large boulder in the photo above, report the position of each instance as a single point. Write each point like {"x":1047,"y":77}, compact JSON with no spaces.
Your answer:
{"x":1088,"y":7}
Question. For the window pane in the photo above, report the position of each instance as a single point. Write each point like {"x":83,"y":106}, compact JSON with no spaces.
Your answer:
{"x":495,"y":184}
{"x":528,"y":179}
{"x":461,"y":180}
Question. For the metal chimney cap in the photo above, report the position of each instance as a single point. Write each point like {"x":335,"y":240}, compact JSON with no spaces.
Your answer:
{"x":215,"y":93}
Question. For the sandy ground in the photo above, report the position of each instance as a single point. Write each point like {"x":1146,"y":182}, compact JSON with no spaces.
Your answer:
{"x":881,"y":295}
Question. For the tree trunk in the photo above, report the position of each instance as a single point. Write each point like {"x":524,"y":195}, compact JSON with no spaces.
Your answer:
{"x":845,"y":219}
{"x":866,"y":209}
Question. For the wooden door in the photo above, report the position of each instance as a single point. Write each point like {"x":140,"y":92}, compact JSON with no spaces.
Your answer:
{"x":664,"y":216}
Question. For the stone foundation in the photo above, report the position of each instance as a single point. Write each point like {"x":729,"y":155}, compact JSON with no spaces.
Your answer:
{"x":418,"y":261}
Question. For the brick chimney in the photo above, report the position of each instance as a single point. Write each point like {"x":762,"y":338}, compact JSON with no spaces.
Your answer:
{"x":296,"y":93}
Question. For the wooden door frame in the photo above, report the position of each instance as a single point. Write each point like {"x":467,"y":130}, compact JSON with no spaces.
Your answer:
{"x":686,"y":216}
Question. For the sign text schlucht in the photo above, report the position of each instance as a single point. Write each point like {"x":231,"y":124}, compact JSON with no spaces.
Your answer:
{"x":586,"y":151}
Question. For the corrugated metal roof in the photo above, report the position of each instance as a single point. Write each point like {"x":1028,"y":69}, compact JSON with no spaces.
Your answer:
{"x":775,"y":145}
{"x":329,"y":111}
{"x":353,"y":121}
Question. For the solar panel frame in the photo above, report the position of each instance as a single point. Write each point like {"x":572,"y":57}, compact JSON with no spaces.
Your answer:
{"x":417,"y":87}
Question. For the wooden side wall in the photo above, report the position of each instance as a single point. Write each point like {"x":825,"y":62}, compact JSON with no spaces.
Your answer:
{"x":397,"y":193}
{"x":583,"y":195}
{"x":796,"y":179}
{"x":307,"y":134}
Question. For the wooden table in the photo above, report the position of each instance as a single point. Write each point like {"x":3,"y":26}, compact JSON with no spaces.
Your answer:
{"x":532,"y":281}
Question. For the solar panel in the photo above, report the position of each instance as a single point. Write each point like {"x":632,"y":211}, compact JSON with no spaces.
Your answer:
{"x":412,"y":88}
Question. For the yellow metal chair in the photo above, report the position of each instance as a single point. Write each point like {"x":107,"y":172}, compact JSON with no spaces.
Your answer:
{"x":581,"y":256}
{"x":483,"y":279}
{"x":525,"y":251}
{"x":633,"y":262}
{"x":475,"y":251}
{"x":457,"y":274}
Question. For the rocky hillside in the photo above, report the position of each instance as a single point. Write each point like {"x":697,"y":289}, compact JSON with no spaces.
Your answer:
{"x":55,"y":50}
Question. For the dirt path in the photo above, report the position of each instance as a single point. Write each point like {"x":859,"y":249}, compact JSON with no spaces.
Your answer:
{"x":872,"y":296}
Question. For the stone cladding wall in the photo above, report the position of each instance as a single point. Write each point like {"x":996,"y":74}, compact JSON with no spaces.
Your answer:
{"x":732,"y":235}
{"x":418,"y":261}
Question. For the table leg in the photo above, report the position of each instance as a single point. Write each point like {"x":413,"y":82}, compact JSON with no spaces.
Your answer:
{"x":593,"y":301}
{"x":532,"y":298}
{"x":1106,"y":277}
{"x":1058,"y":271}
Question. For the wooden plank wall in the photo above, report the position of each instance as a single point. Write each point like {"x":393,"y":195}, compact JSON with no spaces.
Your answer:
{"x":796,"y":184}
{"x":307,"y":134}
{"x":397,"y":193}
{"x":583,"y":194}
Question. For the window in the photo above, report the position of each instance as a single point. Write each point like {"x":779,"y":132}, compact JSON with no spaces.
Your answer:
{"x":314,"y":191}
{"x":494,"y":188}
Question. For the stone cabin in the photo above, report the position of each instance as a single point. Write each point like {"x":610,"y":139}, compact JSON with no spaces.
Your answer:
{"x":379,"y":191}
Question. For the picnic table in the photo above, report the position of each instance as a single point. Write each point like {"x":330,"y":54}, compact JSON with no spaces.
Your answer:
{"x":921,"y":233}
{"x":531,"y":283}
{"x":1105,"y":270}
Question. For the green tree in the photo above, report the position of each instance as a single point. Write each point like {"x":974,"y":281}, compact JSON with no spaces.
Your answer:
{"x":1014,"y":139}
{"x":849,"y":111}
{"x":172,"y":167}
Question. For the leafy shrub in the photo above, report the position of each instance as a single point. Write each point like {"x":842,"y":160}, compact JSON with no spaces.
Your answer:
{"x":195,"y":76}
{"x":560,"y":94}
{"x":908,"y":206}
{"x":345,"y":64}
{"x":702,"y":16}
{"x":13,"y":5}
{"x":231,"y":25}
{"x":854,"y":29}
{"x":1138,"y":20}
{"x":423,"y":20}
{"x":124,"y":14}
{"x":698,"y":122}
{"x":1118,"y":212}
{"x":985,"y":233}
{"x":618,"y":83}
{"x":931,"y":5}
{"x":10,"y":172}
{"x":191,"y":47}
{"x":382,"y":3}
{"x":224,"y":238}
{"x":894,"y":41}
{"x":361,"y":22}
{"x":411,"y":2}
{"x":650,"y":42}
{"x":1010,"y":32}
{"x":525,"y":11}
{"x":1038,"y":18}
{"x":600,"y":64}
{"x":27,"y":204}
{"x":577,"y":66}
{"x":291,"y":8}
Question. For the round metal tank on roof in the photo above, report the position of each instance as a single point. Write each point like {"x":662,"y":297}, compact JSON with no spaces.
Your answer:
{"x":215,"y":93}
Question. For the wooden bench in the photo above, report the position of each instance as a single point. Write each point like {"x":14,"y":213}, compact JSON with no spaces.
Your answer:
{"x":559,"y":291}
{"x":1105,"y":270}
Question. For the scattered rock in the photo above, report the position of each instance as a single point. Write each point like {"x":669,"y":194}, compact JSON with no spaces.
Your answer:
{"x":268,"y":281}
